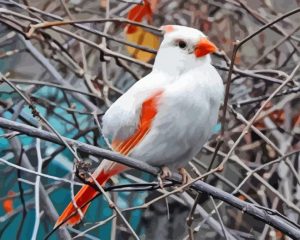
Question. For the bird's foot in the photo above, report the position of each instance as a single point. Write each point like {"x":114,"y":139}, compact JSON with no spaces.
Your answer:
{"x":186,"y":177}
{"x":165,"y":173}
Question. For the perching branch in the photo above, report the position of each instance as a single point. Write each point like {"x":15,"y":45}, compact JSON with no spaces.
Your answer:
{"x":263,"y":214}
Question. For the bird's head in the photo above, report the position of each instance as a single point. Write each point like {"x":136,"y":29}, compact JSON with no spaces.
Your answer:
{"x":183,"y":48}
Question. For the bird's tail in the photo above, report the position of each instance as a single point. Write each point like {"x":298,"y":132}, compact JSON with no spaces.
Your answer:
{"x":103,"y":173}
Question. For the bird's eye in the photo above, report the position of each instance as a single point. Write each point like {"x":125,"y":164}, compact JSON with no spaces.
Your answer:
{"x":182,"y":44}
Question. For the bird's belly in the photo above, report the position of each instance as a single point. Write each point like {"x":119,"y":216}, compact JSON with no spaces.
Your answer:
{"x":174,"y":139}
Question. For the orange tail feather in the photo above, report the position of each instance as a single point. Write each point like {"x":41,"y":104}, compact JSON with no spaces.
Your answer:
{"x":103,"y":173}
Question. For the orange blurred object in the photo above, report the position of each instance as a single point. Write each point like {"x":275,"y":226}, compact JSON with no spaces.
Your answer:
{"x":276,"y":116}
{"x":8,"y":204}
{"x":138,"y":35}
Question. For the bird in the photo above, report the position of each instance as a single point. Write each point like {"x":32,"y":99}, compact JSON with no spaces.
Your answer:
{"x":165,"y":118}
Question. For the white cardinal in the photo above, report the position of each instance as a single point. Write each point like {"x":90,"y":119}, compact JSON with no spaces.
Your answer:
{"x":165,"y":118}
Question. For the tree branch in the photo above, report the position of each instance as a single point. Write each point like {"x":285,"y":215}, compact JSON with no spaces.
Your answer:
{"x":263,"y":214}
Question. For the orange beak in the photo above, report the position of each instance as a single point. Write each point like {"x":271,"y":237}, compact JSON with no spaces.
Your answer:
{"x":203,"y":47}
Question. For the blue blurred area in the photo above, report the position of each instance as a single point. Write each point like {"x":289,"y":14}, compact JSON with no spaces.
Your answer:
{"x":59,"y":166}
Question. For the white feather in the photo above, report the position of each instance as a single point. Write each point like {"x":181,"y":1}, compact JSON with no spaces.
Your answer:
{"x":187,"y":114}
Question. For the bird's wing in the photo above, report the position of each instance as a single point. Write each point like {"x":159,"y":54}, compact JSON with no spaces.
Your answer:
{"x":147,"y":114}
{"x":129,"y":119}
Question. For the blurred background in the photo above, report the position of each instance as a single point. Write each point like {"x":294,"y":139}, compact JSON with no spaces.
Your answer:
{"x":72,"y":73}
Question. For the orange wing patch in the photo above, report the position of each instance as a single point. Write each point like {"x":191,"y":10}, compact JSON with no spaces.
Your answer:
{"x":148,"y":113}
{"x":8,"y":204}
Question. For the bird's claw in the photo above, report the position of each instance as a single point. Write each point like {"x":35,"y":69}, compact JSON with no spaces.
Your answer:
{"x":165,"y":173}
{"x":186,"y":177}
